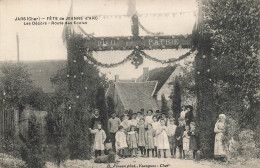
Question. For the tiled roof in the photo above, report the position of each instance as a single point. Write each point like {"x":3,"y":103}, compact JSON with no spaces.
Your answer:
{"x":137,"y":95}
{"x":159,"y":74}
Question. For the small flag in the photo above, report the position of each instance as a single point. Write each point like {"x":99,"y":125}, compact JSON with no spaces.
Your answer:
{"x":131,"y":8}
{"x":68,"y":29}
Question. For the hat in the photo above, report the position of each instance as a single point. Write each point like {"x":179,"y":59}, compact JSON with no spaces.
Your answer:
{"x":222,"y":116}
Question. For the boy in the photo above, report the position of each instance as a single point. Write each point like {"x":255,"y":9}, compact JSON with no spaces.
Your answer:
{"x":171,"y":132}
{"x":100,"y":137}
{"x":113,"y":124}
{"x":178,"y":135}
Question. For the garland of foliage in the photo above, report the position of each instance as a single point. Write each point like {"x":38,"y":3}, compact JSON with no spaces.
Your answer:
{"x":136,"y":58}
{"x":94,"y":61}
{"x":169,"y":60}
{"x":149,"y":32}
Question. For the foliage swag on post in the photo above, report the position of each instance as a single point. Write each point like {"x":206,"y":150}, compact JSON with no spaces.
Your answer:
{"x":79,"y":145}
{"x":206,"y":113}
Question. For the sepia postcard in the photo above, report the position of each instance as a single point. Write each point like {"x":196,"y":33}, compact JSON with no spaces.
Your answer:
{"x":129,"y":83}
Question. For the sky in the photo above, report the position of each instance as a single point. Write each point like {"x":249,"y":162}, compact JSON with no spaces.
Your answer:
{"x":41,"y":42}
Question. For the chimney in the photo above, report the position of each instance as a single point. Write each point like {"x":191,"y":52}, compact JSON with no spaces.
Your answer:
{"x":145,"y":74}
{"x":116,"y":78}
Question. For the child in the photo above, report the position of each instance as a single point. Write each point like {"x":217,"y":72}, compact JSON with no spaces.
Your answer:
{"x":171,"y":132}
{"x":141,"y":137}
{"x":149,"y":140}
{"x":162,"y":138}
{"x":125,"y":123}
{"x":149,"y":117}
{"x":121,"y":141}
{"x":139,"y":116}
{"x":186,"y":141}
{"x":178,"y":135}
{"x":193,"y":139}
{"x":134,"y":120}
{"x":155,"y":125}
{"x":183,"y":112}
{"x":132,"y":140}
{"x":164,"y":117}
{"x":100,"y":137}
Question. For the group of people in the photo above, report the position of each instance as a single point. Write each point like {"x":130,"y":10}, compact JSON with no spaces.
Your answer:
{"x":150,"y":134}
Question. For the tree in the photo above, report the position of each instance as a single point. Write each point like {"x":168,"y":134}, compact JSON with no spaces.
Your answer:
{"x":176,"y":99}
{"x":57,"y":130}
{"x":164,"y":106}
{"x":17,"y":89}
{"x":16,"y":85}
{"x":79,"y":83}
{"x":227,"y":62}
{"x":31,"y":151}
{"x":101,"y":105}
{"x":110,"y":105}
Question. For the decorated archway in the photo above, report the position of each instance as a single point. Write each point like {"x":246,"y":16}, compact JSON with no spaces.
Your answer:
{"x":80,"y":48}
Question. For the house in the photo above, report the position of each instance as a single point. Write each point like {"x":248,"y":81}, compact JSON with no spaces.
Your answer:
{"x":146,"y":91}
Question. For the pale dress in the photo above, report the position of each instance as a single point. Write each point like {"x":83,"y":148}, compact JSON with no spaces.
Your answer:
{"x":120,"y":140}
{"x":183,"y":113}
{"x":155,"y":126}
{"x":218,"y":146}
{"x":148,"y":120}
{"x":132,"y":139}
{"x":186,"y":141}
{"x":100,"y":137}
{"x":162,"y":138}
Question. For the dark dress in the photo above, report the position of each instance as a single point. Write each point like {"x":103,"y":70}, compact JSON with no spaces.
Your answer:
{"x":178,"y":133}
{"x":193,"y":141}
{"x":188,"y":117}
{"x":95,"y":121}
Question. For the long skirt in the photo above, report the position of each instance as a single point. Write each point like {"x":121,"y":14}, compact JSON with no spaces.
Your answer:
{"x":162,"y":141}
{"x":186,"y":142}
{"x":218,"y":147}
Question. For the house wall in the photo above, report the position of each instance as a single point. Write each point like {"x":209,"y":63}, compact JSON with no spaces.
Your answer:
{"x":167,"y":88}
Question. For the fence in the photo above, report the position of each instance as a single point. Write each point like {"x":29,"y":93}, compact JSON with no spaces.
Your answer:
{"x":11,"y":126}
{"x":8,"y":122}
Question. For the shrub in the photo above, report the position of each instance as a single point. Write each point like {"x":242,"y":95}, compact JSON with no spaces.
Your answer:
{"x":247,"y":144}
{"x":32,"y":149}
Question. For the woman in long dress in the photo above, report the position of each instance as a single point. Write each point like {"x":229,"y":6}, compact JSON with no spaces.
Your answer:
{"x":219,"y":150}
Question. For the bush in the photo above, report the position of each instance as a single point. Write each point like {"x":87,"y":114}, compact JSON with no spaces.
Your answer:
{"x":247,"y":144}
{"x":10,"y":146}
{"x":32,"y":149}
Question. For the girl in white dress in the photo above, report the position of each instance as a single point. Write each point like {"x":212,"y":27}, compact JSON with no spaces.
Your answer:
{"x":186,"y":141}
{"x":121,"y":143}
{"x":162,"y":138}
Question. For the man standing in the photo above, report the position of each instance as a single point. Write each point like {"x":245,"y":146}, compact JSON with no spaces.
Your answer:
{"x":113,"y":124}
{"x":96,"y":119}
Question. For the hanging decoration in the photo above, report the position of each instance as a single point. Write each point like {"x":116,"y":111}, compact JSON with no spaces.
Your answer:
{"x":94,"y":61}
{"x":149,"y":32}
{"x":169,"y":60}
{"x":136,"y":58}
